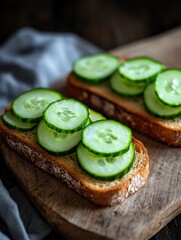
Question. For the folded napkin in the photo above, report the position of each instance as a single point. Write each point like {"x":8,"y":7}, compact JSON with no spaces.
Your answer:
{"x":31,"y":59}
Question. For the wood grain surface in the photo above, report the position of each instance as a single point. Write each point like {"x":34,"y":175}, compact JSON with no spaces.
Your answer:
{"x":141,"y":215}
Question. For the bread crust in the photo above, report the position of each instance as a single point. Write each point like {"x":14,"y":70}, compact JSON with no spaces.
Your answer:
{"x":66,"y":169}
{"x":130,"y":111}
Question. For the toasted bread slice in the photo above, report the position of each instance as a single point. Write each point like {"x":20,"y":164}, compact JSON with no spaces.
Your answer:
{"x":103,"y":193}
{"x":130,"y":111}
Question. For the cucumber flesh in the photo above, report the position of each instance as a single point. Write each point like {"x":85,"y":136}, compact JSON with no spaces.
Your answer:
{"x":105,"y":168}
{"x":30,"y":105}
{"x":66,"y":115}
{"x":11,"y":121}
{"x":125,"y":87}
{"x":95,"y":116}
{"x":97,"y":67}
{"x":106,"y":138}
{"x":140,"y":69}
{"x":156,"y":107}
{"x":168,"y":87}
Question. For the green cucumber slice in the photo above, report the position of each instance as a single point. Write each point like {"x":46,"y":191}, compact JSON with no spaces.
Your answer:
{"x":140,"y":69}
{"x":168,"y":87}
{"x":66,"y":115}
{"x":156,"y":107}
{"x":95,"y":68}
{"x":125,"y":87}
{"x":30,"y":105}
{"x":106,"y":138}
{"x":95,"y":116}
{"x":105,"y":168}
{"x":56,"y":142}
{"x":11,"y":121}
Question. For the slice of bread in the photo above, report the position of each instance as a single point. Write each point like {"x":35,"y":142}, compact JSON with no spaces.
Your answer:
{"x":103,"y":193}
{"x":130,"y":111}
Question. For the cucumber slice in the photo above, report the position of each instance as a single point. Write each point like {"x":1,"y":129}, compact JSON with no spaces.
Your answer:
{"x":95,"y":68}
{"x":56,"y":142}
{"x":156,"y":107}
{"x":94,"y":116}
{"x":168,"y":87}
{"x":30,"y":105}
{"x":105,"y":168}
{"x":140,"y":69}
{"x":11,"y":121}
{"x":125,"y":87}
{"x":106,"y":138}
{"x":66,"y":115}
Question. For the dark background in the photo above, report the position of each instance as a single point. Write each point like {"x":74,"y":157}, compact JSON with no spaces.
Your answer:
{"x":106,"y":23}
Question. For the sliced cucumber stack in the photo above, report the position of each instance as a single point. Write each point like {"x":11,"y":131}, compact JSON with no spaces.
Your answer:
{"x":168,"y":87}
{"x":27,"y":109}
{"x":61,"y":128}
{"x":125,"y":87}
{"x":61,"y":142}
{"x":13,"y":122}
{"x":105,"y":168}
{"x":96,"y":68}
{"x":140,"y":69}
{"x":30,"y":105}
{"x":106,"y":138}
{"x":106,"y":151}
{"x":156,"y":107}
{"x":58,"y":132}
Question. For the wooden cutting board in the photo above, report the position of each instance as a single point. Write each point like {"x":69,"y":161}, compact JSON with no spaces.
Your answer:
{"x":141,"y":215}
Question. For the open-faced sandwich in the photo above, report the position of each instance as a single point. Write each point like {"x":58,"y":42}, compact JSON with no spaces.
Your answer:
{"x":95,"y":156}
{"x":139,"y":92}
